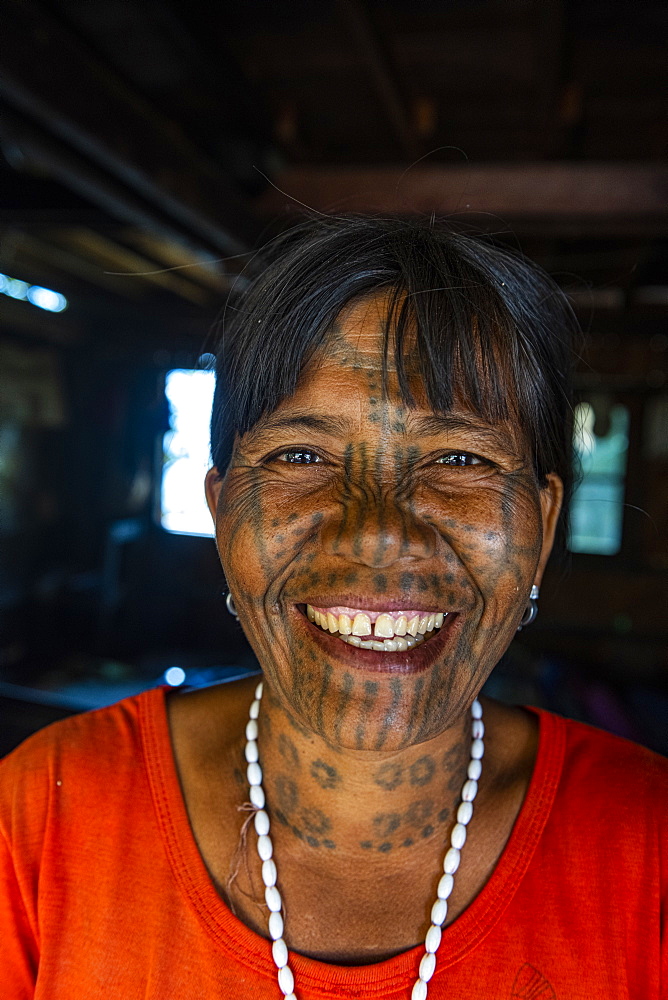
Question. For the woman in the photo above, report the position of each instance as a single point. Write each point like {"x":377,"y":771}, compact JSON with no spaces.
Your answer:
{"x":391,"y":448}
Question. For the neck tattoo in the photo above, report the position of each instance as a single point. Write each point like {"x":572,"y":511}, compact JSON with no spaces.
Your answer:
{"x":265,"y":849}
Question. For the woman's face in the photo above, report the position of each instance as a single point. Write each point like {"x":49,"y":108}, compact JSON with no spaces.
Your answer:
{"x":345,"y":499}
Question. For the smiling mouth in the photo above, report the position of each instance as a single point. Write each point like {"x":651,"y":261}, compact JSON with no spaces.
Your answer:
{"x":381,"y":631}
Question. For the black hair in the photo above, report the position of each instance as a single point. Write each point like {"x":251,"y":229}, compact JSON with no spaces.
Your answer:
{"x":489,"y":326}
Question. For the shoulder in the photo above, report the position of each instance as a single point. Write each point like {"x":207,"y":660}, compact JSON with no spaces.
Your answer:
{"x":605,"y":781}
{"x":82,"y":756}
{"x":101,"y":730}
{"x":587,"y":747}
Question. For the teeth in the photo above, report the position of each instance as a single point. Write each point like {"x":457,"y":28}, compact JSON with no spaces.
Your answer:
{"x":346,"y":626}
{"x":386,"y":634}
{"x":384,"y":627}
{"x":388,"y":646}
{"x":361,"y":624}
{"x":400,"y":625}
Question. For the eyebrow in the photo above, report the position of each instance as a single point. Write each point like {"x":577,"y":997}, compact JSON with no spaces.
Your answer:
{"x":309,"y":421}
{"x":440,"y":423}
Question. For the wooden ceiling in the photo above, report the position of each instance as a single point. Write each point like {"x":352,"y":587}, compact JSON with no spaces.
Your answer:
{"x":150,"y":144}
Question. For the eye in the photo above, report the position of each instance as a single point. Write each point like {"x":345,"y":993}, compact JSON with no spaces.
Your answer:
{"x":459,"y":459}
{"x":299,"y":456}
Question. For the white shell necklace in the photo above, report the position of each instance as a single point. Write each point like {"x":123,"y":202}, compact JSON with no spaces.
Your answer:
{"x":265,"y":849}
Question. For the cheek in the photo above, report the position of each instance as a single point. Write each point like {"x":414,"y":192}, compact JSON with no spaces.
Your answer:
{"x":495,"y":533}
{"x":260,"y":532}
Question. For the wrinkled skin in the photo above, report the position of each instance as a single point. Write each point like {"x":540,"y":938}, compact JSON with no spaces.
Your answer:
{"x":379,"y":515}
{"x":343,"y":490}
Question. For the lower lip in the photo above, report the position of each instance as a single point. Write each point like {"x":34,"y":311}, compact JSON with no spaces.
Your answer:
{"x":411,"y":661}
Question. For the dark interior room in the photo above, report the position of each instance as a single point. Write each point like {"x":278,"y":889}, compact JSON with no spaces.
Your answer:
{"x":149,"y":148}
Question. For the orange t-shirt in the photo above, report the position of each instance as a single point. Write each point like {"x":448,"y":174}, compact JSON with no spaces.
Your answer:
{"x":103,"y":892}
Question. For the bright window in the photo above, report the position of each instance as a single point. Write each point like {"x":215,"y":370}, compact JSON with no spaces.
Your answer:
{"x":601,"y":445}
{"x":186,"y":456}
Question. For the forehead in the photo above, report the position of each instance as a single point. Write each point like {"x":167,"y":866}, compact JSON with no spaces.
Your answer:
{"x":357,"y":339}
{"x":355,"y":366}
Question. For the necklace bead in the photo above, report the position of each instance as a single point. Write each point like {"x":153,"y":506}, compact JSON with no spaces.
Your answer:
{"x":439,"y":912}
{"x":419,"y":990}
{"x":265,"y":849}
{"x":254,"y":773}
{"x":273,"y":899}
{"x":251,"y":729}
{"x":275,"y":926}
{"x":470,"y":790}
{"x":474,"y":769}
{"x":261,"y":823}
{"x":269,"y":873}
{"x":427,"y":966}
{"x":279,"y":951}
{"x":464,"y":813}
{"x":445,"y":886}
{"x":451,"y":861}
{"x":257,"y":796}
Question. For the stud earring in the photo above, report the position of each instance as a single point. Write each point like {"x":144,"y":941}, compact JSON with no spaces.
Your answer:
{"x":529,"y":615}
{"x":230,"y":605}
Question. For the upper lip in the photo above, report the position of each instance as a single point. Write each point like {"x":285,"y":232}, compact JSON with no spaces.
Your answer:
{"x":367,"y":603}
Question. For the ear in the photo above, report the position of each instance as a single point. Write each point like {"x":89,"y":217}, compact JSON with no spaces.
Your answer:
{"x":551,"y":498}
{"x":212,"y":485}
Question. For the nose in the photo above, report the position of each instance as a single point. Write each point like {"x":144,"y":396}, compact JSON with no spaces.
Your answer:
{"x":377,"y":531}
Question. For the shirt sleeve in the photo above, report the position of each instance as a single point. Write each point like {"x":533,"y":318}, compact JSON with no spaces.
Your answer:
{"x":18,"y":947}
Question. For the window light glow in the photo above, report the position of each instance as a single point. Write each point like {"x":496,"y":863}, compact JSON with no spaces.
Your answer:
{"x":186,"y":457}
{"x":43,"y":298}
{"x":597,"y":507}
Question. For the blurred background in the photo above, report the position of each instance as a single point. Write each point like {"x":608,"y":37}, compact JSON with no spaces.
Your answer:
{"x":147,"y":146}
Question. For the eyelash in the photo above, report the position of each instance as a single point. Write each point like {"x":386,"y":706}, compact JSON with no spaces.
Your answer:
{"x":467,"y":458}
{"x":299,"y":451}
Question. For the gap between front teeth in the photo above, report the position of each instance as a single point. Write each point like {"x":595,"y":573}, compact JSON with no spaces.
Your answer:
{"x":397,"y":633}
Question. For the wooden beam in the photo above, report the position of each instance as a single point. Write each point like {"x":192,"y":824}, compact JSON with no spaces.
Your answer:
{"x":129,"y":266}
{"x":52,"y":260}
{"x":28,"y":148}
{"x":584,"y":193}
{"x":50,"y":77}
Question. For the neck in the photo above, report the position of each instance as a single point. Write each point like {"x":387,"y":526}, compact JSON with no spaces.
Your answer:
{"x":337,"y":802}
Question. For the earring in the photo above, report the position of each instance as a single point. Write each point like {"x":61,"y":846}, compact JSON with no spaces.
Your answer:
{"x":230,"y":605}
{"x":529,"y":615}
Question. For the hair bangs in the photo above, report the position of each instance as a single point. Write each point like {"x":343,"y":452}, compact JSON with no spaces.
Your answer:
{"x":457,"y":347}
